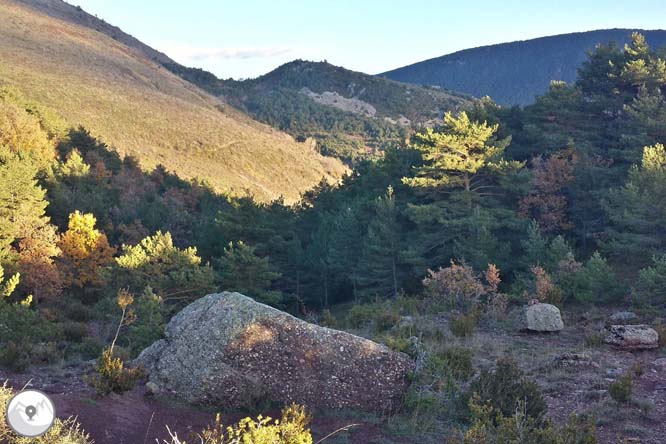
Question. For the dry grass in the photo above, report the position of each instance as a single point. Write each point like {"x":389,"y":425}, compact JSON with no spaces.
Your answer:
{"x":139,"y":108}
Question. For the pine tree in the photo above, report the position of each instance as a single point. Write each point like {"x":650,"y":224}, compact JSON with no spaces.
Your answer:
{"x":345,"y":240}
{"x":637,"y":211}
{"x":173,"y":273}
{"x":596,"y":282}
{"x":650,"y":289}
{"x":8,"y":286}
{"x":27,"y":239}
{"x":318,"y":262}
{"x":460,"y":184}
{"x":381,"y":268}
{"x":456,"y":156}
{"x":22,"y":202}
{"x":242,"y":270}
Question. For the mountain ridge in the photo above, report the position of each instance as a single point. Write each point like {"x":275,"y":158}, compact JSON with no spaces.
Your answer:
{"x":515,"y":72}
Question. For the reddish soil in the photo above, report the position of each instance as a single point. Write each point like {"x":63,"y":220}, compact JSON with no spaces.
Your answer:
{"x":137,"y":417}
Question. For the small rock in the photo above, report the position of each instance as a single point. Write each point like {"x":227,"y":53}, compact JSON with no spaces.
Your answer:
{"x":574,"y":360}
{"x":152,"y":388}
{"x":540,"y":318}
{"x":632,"y":337}
{"x":614,"y":372}
{"x":406,"y":322}
{"x":660,"y":364}
{"x":623,"y":317}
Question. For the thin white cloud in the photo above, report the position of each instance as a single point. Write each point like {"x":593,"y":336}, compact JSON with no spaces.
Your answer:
{"x":195,"y":53}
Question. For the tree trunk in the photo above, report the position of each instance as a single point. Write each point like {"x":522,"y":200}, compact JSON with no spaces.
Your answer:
{"x":395,"y":277}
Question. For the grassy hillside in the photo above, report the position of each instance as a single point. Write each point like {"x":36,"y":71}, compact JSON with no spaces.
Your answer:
{"x":516,"y":72}
{"x":349,"y":113}
{"x":121,"y":95}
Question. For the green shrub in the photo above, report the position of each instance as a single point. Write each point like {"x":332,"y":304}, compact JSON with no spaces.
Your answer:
{"x":386,"y":318}
{"x":23,"y":324}
{"x":361,"y":315}
{"x":327,"y":319}
{"x":148,"y":322}
{"x":89,"y":348}
{"x":291,"y":428}
{"x":491,"y":427}
{"x":45,"y":353}
{"x":596,"y":282}
{"x":621,"y":389}
{"x":594,"y":339}
{"x":650,"y":288}
{"x":456,"y":361}
{"x":398,"y":343}
{"x":112,"y":375}
{"x":77,"y":312}
{"x":503,"y":388}
{"x":75,"y":331}
{"x":462,"y":325}
{"x":16,"y":356}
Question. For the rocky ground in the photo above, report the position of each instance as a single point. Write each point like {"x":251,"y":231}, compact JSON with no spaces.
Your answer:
{"x":573,"y":367}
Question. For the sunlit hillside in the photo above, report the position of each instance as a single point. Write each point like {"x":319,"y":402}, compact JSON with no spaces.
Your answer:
{"x":138,"y":107}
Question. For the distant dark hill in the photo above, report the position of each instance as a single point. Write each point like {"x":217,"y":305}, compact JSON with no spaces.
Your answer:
{"x":514,"y":73}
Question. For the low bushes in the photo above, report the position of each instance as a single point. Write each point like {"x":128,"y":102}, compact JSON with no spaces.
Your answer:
{"x":621,"y":389}
{"x":502,"y":388}
{"x":112,"y":375}
{"x":291,"y":428}
{"x":491,"y":427}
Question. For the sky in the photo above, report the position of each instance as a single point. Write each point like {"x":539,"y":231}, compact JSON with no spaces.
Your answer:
{"x":248,"y":38}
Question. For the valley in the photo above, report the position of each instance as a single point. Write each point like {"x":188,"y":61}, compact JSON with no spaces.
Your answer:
{"x":320,"y":255}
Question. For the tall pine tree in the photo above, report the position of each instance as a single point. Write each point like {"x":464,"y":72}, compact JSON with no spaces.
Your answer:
{"x":381,"y":269}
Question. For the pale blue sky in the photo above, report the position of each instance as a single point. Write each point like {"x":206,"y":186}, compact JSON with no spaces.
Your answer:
{"x":247,"y":38}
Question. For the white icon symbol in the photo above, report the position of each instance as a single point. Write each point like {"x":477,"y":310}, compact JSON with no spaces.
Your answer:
{"x":30,"y":413}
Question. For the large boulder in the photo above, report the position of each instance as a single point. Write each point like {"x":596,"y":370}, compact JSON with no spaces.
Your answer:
{"x":632,"y":337}
{"x":539,"y":317}
{"x":226,"y":350}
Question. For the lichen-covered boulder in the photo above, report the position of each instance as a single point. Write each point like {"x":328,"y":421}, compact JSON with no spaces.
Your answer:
{"x":632,"y":337}
{"x":226,"y":350}
{"x":543,"y":318}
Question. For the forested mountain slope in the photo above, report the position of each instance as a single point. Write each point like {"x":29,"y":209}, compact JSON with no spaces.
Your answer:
{"x":516,"y":72}
{"x":350,"y":114}
{"x":81,"y":68}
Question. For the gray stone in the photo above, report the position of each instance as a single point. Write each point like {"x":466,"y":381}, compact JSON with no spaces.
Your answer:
{"x":660,"y":364}
{"x":632,"y":337}
{"x":406,"y":322}
{"x":226,"y":350}
{"x":623,"y":317}
{"x":152,"y":388}
{"x":539,"y":318}
{"x":574,"y":360}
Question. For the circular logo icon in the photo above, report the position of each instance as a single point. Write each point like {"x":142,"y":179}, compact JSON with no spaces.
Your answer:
{"x":30,"y":413}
